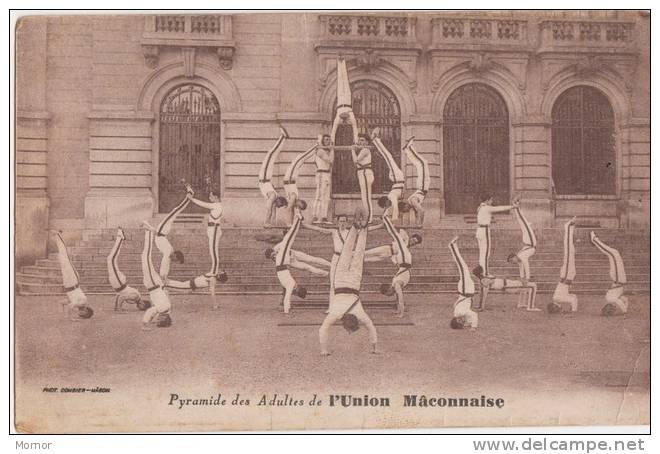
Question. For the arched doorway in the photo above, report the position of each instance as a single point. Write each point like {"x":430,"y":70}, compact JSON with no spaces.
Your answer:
{"x":475,"y":148}
{"x":189,"y":143}
{"x":583,"y":143}
{"x":374,"y":105}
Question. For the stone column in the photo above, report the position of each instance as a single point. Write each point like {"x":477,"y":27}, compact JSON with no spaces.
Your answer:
{"x":32,"y":202}
{"x":532,"y":170}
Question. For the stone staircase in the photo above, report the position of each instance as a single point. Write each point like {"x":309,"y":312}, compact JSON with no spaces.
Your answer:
{"x":242,"y":255}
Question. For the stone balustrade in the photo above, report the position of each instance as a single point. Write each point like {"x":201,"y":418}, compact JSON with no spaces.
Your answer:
{"x":607,"y":34}
{"x":350,"y":27}
{"x":203,"y":25}
{"x":505,"y":31}
{"x":479,"y":30}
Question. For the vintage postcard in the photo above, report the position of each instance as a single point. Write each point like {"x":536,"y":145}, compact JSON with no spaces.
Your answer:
{"x":320,"y":220}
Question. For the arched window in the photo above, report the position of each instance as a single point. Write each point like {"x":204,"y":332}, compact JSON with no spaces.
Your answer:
{"x":475,"y":148}
{"x":583,"y":143}
{"x":189,"y":142}
{"x":374,"y":105}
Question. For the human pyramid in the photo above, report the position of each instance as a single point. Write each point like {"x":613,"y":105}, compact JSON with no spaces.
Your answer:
{"x":349,"y":237}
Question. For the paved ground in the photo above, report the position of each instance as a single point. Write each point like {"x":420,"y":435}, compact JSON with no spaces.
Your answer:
{"x":568,"y":369}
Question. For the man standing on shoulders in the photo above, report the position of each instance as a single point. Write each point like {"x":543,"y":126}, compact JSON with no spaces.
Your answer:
{"x":325,"y":156}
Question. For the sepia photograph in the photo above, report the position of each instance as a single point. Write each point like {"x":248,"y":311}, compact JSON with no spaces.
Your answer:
{"x":330,"y":220}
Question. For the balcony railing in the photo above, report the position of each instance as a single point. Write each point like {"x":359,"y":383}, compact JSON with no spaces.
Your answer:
{"x":191,"y":32}
{"x":461,"y":30}
{"x":368,"y":28}
{"x":201,"y":27}
{"x":510,"y":31}
{"x":589,"y":33}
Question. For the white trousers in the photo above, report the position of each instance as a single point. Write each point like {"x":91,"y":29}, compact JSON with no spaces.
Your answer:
{"x":306,"y":262}
{"x":524,"y":255}
{"x":465,"y":284}
{"x":483,"y":241}
{"x":166,"y":224}
{"x":567,"y":271}
{"x":214,"y":233}
{"x":165,"y":248}
{"x":116,"y":278}
{"x":199,"y":282}
{"x":366,"y":180}
{"x":394,"y":196}
{"x":333,"y":267}
{"x":379,"y":253}
{"x":150,"y":277}
{"x":322,"y":199}
{"x":70,"y":276}
{"x":288,"y":284}
{"x":162,"y":243}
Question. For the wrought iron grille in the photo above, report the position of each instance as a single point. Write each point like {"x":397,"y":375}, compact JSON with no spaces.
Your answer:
{"x":583,"y":143}
{"x":475,"y":148}
{"x":189,"y":142}
{"x":374,"y":105}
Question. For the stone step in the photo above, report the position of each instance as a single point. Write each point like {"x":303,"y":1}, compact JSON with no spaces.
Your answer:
{"x":310,"y":280}
{"x":435,"y":243}
{"x":584,"y":273}
{"x":419,"y":254}
{"x":261,"y":268}
{"x":464,"y":241}
{"x":381,"y":275}
{"x":228,"y":248}
{"x":591,"y":288}
{"x":538,"y":266}
{"x":546,"y":233}
{"x":434,"y":270}
{"x":555,"y":236}
{"x":259,"y":263}
{"x":446,"y":228}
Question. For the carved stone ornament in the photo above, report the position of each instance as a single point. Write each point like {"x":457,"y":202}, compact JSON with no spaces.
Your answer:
{"x":225,"y":57}
{"x":589,"y":66}
{"x":369,"y":60}
{"x":150,"y":55}
{"x":188,"y":54}
{"x":480,"y":63}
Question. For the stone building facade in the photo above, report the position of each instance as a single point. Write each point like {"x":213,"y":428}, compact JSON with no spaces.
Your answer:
{"x":112,"y":110}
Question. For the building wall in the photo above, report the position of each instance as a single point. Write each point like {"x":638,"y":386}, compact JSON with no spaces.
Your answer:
{"x":32,"y":202}
{"x":69,"y":89}
{"x":89,"y":89}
